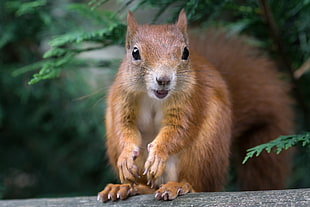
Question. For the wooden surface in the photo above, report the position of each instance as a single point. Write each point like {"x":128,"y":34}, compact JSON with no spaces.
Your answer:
{"x":298,"y":197}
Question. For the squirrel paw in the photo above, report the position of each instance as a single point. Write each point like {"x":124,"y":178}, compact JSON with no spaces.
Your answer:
{"x":115,"y":192}
{"x":155,"y":164}
{"x":128,"y":171}
{"x":171,"y":190}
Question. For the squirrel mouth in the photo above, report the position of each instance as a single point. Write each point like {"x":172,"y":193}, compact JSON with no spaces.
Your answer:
{"x":161,"y":93}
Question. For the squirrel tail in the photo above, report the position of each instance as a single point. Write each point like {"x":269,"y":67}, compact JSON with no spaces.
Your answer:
{"x":268,"y":171}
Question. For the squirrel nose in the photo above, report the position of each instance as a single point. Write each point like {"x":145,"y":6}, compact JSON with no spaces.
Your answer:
{"x":163,"y":81}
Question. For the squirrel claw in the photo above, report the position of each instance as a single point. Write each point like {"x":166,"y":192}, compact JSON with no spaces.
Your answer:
{"x":145,"y":171}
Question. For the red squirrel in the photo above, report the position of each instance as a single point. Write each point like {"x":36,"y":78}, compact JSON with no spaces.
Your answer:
{"x":182,"y":108}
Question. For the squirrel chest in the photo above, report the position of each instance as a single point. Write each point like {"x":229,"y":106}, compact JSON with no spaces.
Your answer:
{"x":149,"y":118}
{"x":149,"y":123}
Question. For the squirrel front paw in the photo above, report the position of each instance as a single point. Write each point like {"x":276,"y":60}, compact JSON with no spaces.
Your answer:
{"x":128,"y":171}
{"x":155,"y":163}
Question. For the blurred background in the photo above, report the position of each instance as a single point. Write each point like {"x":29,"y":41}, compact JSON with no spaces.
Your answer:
{"x":58,"y":58}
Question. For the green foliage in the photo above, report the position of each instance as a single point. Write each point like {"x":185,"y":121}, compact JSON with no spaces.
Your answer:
{"x":279,"y":144}
{"x":25,"y":8}
{"x":60,"y":55}
{"x":52,"y":134}
{"x":64,"y":48}
{"x":58,"y":148}
{"x":50,"y":137}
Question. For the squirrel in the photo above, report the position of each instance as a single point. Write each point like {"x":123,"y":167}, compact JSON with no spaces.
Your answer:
{"x":183,"y":108}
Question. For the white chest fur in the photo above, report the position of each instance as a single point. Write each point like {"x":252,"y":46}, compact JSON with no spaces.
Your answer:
{"x":149,"y":118}
{"x":149,"y":123}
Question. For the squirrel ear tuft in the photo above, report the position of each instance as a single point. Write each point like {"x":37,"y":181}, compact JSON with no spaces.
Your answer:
{"x":132,"y":26}
{"x":182,"y":22}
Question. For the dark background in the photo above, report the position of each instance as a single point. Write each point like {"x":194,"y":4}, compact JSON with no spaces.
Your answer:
{"x":52,"y":132}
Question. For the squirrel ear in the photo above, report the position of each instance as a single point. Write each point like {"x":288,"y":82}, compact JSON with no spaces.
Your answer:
{"x":132,"y":26}
{"x":182,"y":21}
{"x":131,"y":23}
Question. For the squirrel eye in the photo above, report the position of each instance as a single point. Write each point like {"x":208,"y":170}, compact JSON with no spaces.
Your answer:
{"x":185,"y":54}
{"x":136,"y":54}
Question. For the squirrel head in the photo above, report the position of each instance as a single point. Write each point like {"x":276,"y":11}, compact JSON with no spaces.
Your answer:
{"x":158,"y":56}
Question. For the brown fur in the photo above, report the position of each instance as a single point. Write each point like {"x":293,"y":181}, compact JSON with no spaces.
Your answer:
{"x":223,"y":102}
{"x":260,"y":104}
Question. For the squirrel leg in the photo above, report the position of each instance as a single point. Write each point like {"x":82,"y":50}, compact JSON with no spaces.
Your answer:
{"x":171,"y":190}
{"x":122,"y":191}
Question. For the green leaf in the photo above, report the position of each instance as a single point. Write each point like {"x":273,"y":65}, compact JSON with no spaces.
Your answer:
{"x":28,"y":68}
{"x":55,"y":52}
{"x":51,"y":68}
{"x":114,"y":32}
{"x":281,"y":143}
{"x":248,"y":156}
{"x":25,"y":8}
